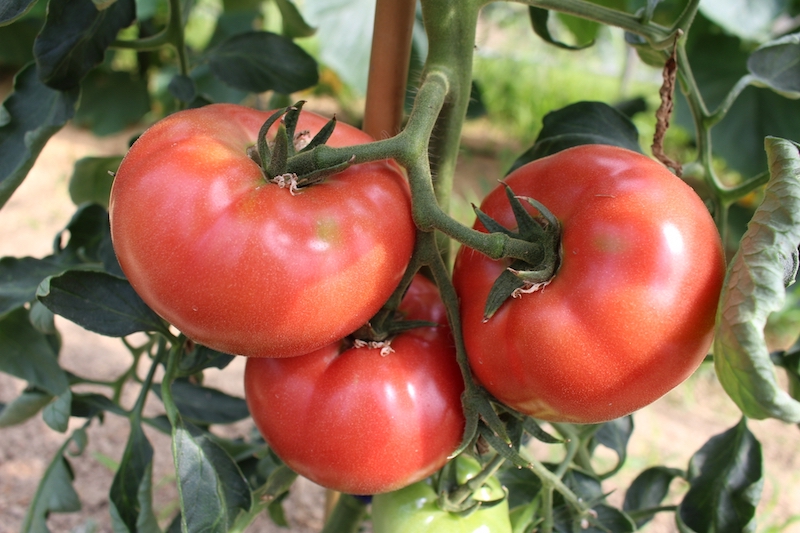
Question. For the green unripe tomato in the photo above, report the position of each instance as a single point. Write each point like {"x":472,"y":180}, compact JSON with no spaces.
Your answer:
{"x":413,"y":509}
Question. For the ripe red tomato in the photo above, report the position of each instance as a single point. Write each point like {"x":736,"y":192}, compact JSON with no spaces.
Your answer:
{"x":241,"y":265}
{"x":356,"y":421}
{"x":630,"y":312}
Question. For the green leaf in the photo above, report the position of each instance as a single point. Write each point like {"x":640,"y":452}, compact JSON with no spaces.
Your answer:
{"x":776,"y":65}
{"x":29,"y":117}
{"x":203,"y":405}
{"x":24,"y":407}
{"x":56,"y":415}
{"x":648,"y":490}
{"x":211,"y":487}
{"x":747,"y":19}
{"x":89,"y":405}
{"x":199,"y":358}
{"x":131,"y":494}
{"x":11,"y":10}
{"x":75,"y":37}
{"x":346,"y":52}
{"x":19,"y":278}
{"x":26,"y":353}
{"x":55,"y":494}
{"x":726,"y":480}
{"x":98,"y":302}
{"x":754,"y":288}
{"x":615,"y":435}
{"x":16,"y":40}
{"x":91,"y":181}
{"x":183,"y":88}
{"x":280,"y":65}
{"x":581,"y":123}
{"x":539,"y":18}
{"x":522,"y":484}
{"x":102,"y":91}
{"x":294,"y":25}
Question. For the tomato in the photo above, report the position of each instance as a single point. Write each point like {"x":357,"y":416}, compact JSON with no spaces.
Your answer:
{"x":238,"y":263}
{"x":413,"y":509}
{"x":630,"y":311}
{"x":356,"y":421}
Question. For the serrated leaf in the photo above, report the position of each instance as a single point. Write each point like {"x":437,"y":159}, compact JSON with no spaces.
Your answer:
{"x":24,"y":407}
{"x":11,"y":10}
{"x":34,"y":113}
{"x":581,"y":123}
{"x":98,"y":302}
{"x":776,"y":64}
{"x":754,"y":288}
{"x":75,"y":37}
{"x":19,"y":278}
{"x":204,"y":405}
{"x":91,"y":181}
{"x":726,"y":481}
{"x":55,"y":494}
{"x":539,"y":18}
{"x":131,"y":495}
{"x":56,"y":414}
{"x":647,"y":492}
{"x":27,"y":354}
{"x":102,"y":90}
{"x":280,"y":65}
{"x":294,"y":25}
{"x":211,"y":487}
{"x":615,"y":435}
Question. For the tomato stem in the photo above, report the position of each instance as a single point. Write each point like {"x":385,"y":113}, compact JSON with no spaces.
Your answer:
{"x":347,"y":515}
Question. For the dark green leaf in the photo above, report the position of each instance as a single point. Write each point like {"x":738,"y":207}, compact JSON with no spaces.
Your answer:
{"x":24,"y":407}
{"x":726,"y":480}
{"x":43,"y":319}
{"x":74,"y":39}
{"x":581,"y":123}
{"x":19,"y":278}
{"x":648,"y":490}
{"x":27,"y":354}
{"x":89,"y":405}
{"x":280,"y":65}
{"x":56,"y":415}
{"x":615,"y":435}
{"x":719,"y":61}
{"x":776,"y":64}
{"x":201,"y":357}
{"x":539,"y":18}
{"x":91,"y":181}
{"x":754,"y":289}
{"x":522,"y":484}
{"x":183,"y":88}
{"x":99,"y":302}
{"x":294,"y":25}
{"x":609,"y":519}
{"x":102,"y":91}
{"x":131,"y":491}
{"x":16,"y":41}
{"x":203,"y":405}
{"x":10,"y":10}
{"x":55,"y":494}
{"x":88,"y":232}
{"x":211,"y":487}
{"x":211,"y":89}
{"x":28,"y":118}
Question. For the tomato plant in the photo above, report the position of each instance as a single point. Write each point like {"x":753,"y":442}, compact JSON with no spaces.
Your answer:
{"x":230,"y":230}
{"x":365,"y":420}
{"x":414,"y":509}
{"x":629,"y":313}
{"x":243,"y":265}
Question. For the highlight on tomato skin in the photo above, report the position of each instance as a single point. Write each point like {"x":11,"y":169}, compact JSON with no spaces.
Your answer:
{"x":630,"y":312}
{"x":243,"y":265}
{"x":360,"y":421}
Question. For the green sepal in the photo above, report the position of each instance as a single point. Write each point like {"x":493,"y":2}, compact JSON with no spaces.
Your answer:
{"x":262,"y":144}
{"x":280,"y":152}
{"x":290,"y":122}
{"x":322,"y":135}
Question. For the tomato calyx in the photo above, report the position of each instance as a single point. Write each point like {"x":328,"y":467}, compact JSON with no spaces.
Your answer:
{"x":288,"y":161}
{"x":522,"y":277}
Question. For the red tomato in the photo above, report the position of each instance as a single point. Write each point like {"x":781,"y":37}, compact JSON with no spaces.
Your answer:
{"x":356,"y":421}
{"x":630,"y":312}
{"x":242,"y":265}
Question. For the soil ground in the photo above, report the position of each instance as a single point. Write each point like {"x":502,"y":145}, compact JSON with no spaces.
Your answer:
{"x":668,"y":432}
